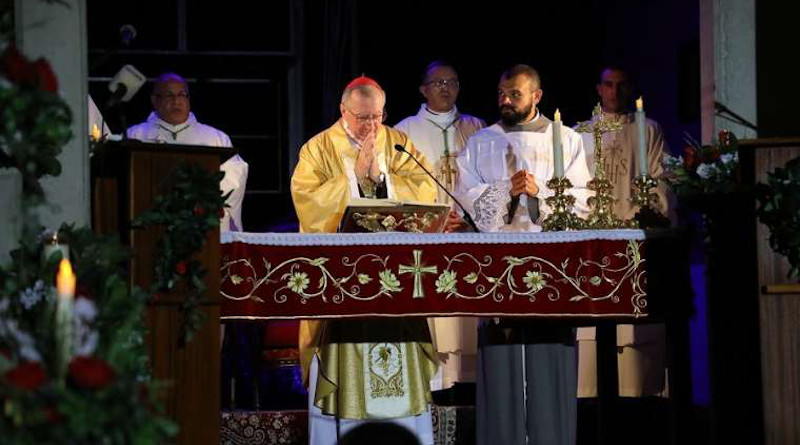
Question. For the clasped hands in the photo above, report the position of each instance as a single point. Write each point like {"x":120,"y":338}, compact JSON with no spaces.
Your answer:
{"x":367,"y":162}
{"x":523,"y":182}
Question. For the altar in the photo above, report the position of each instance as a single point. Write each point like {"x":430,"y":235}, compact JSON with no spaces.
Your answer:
{"x":573,"y":275}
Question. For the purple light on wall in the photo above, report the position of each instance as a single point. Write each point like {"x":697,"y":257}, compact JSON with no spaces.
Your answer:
{"x":698,"y":329}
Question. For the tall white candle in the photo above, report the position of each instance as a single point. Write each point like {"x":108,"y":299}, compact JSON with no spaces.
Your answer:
{"x":558,"y":153}
{"x":640,"y":121}
{"x":65,"y":282}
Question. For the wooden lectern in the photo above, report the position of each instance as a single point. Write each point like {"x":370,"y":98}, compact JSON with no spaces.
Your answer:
{"x":126,"y":177}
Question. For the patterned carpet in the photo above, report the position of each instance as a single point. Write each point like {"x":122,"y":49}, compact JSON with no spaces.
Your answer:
{"x":451,"y":426}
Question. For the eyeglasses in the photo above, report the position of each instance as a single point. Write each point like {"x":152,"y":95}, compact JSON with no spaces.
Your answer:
{"x":443,"y":83}
{"x":366,"y":118}
{"x":181,"y":95}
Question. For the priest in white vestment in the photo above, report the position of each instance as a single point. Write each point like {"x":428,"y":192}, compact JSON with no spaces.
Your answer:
{"x":641,"y":357}
{"x":440,"y":132}
{"x":362,"y":370}
{"x":527,"y":374}
{"x":172,"y":122}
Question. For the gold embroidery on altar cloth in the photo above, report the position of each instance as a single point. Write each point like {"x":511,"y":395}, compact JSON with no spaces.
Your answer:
{"x":385,"y":370}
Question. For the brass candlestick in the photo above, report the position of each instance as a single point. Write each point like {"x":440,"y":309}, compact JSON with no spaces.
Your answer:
{"x":562,"y":217}
{"x":647,"y":201}
{"x":601,"y":215}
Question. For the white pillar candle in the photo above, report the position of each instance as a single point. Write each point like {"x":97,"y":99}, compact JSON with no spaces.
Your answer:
{"x":558,"y":153}
{"x":640,"y":121}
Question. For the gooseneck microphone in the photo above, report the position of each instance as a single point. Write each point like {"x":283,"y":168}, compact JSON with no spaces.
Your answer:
{"x":467,"y":216}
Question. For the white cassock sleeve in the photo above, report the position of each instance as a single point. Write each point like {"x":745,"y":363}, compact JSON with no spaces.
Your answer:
{"x":234,"y":181}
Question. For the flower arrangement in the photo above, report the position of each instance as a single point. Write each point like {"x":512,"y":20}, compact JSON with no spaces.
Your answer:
{"x":73,"y":366}
{"x":83,"y":378}
{"x":704,"y":169}
{"x":34,"y":121}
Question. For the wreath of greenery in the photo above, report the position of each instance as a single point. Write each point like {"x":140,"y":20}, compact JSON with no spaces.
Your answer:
{"x":779,"y":210}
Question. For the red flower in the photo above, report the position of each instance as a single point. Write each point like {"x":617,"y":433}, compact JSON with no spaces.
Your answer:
{"x":180,"y":268}
{"x":45,"y":79}
{"x":90,"y":372}
{"x":27,"y":375}
{"x":199,"y":211}
{"x":712,"y":154}
{"x":16,"y":67}
{"x":690,"y":159}
{"x":724,"y":137}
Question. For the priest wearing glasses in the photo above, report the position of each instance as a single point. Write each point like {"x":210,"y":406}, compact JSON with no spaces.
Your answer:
{"x":172,"y":122}
{"x":354,"y":158}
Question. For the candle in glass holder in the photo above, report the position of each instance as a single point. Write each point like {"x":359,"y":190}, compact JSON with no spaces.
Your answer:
{"x":640,"y":121}
{"x":558,"y":153}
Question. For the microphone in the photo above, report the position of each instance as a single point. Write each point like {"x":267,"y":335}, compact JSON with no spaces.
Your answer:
{"x":124,"y":85}
{"x":127,"y":33}
{"x":467,"y":216}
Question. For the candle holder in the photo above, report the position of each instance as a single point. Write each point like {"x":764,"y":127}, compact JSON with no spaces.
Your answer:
{"x":562,"y":216}
{"x":647,"y":201}
{"x":601,"y":215}
{"x":53,"y":241}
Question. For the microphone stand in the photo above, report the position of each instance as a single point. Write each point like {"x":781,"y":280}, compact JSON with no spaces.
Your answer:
{"x":467,"y":216}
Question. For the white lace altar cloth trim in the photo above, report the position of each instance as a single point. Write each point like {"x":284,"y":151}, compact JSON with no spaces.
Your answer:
{"x":398,"y":238}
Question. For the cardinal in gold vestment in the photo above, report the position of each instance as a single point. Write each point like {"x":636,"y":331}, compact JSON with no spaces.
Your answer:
{"x":367,"y":369}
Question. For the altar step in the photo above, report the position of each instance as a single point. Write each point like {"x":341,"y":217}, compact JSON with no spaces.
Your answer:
{"x":452,"y":425}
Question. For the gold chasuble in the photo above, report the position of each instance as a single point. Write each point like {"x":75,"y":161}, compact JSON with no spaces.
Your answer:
{"x":378,"y":368}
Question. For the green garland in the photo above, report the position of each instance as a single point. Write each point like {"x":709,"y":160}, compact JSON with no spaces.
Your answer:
{"x":187,"y":212}
{"x":779,"y":209}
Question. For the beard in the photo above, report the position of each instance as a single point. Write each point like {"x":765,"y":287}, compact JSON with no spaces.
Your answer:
{"x":511,"y":116}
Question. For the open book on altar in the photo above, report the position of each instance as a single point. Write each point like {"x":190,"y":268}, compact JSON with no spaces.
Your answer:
{"x":387,"y":215}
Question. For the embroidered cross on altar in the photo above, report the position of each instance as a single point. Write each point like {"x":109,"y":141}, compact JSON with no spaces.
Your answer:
{"x":417,"y":269}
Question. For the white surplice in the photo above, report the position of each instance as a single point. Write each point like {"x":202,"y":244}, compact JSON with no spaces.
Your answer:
{"x":192,"y":132}
{"x":494,"y":154}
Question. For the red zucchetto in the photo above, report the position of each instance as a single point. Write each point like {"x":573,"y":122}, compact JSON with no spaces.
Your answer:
{"x":363,"y":81}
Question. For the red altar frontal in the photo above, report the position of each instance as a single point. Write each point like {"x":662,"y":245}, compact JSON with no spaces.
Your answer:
{"x":586,"y":274}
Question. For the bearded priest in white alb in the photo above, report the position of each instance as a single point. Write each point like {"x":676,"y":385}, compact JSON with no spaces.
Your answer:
{"x":362,"y":370}
{"x":440,"y":131}
{"x":527,"y":370}
{"x":172,"y":122}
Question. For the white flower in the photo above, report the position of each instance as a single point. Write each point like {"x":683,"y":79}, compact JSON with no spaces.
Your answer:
{"x":4,"y":303}
{"x":32,"y":295}
{"x":728,"y":158}
{"x":534,"y":280}
{"x":84,"y":310}
{"x":672,"y":162}
{"x":25,"y":342}
{"x":86,"y":338}
{"x":705,"y":170}
{"x":298,"y":282}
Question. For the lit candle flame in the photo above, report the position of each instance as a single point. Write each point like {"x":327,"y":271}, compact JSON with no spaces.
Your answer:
{"x":639,"y":104}
{"x":557,"y":115}
{"x":65,"y":280}
{"x":95,"y":133}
